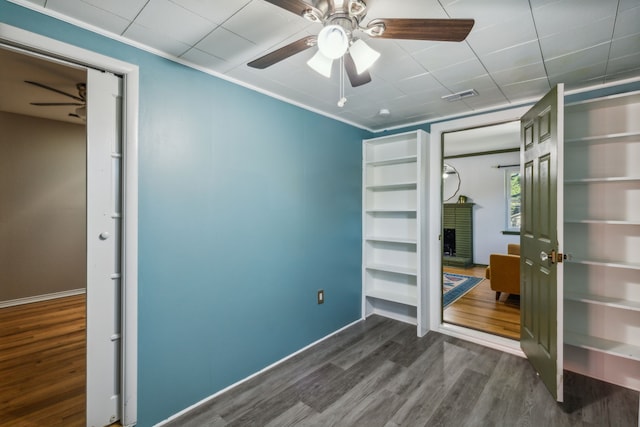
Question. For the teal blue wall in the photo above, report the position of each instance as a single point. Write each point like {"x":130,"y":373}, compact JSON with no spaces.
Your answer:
{"x":247,"y":206}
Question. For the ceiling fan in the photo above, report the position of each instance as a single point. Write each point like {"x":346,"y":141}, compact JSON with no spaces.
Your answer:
{"x":81,"y":99}
{"x":341,"y":19}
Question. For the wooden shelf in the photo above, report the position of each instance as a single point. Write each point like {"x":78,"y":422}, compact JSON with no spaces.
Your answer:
{"x":388,"y":239}
{"x":601,"y":221}
{"x":604,"y":139}
{"x":608,"y":179}
{"x":392,"y":269}
{"x":393,"y":186}
{"x":384,"y":211}
{"x":392,"y":161}
{"x":604,"y":263}
{"x":612,"y":101}
{"x":409,"y":300}
{"x":604,"y":301}
{"x":623,"y":350}
{"x":393,"y":204}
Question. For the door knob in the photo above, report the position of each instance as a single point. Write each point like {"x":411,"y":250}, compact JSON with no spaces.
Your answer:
{"x":552,"y":257}
{"x":104,"y":235}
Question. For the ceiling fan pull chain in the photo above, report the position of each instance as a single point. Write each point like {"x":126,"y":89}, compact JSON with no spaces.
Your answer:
{"x":342,"y":99}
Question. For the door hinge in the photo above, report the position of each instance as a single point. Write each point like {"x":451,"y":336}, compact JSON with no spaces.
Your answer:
{"x":559,"y":257}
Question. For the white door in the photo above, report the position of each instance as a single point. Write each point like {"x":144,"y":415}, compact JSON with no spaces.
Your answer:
{"x":541,"y":315}
{"x":104,"y":156}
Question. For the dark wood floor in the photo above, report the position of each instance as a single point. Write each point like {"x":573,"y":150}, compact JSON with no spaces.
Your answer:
{"x":378,"y":373}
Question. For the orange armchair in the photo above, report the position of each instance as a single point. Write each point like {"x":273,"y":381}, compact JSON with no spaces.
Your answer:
{"x":504,"y":271}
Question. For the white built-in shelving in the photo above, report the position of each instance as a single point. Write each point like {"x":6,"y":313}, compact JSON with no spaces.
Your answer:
{"x":392,"y":203}
{"x":602,"y":238}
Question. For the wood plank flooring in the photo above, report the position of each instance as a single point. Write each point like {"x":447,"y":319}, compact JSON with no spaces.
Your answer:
{"x":42,"y":363}
{"x":478,"y":309}
{"x":378,"y":373}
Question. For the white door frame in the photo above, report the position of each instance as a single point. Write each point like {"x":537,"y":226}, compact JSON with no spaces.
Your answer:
{"x":434,"y":225}
{"x":20,"y":38}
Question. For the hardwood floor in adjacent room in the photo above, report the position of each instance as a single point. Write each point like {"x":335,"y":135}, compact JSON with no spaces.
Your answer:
{"x":479,"y":310}
{"x":42,"y":363}
{"x":378,"y":373}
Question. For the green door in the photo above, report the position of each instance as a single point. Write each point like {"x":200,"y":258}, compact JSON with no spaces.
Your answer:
{"x":541,"y":232}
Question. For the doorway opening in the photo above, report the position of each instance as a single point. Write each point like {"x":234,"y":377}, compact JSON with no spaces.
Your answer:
{"x":476,"y":230}
{"x":26,"y":43}
{"x":43,"y":228}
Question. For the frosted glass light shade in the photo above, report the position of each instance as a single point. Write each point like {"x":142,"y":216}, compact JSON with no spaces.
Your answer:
{"x":321,"y":64}
{"x":333,"y":41}
{"x":363,"y":55}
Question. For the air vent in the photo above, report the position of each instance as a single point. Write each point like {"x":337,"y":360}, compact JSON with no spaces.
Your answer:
{"x":460,"y":95}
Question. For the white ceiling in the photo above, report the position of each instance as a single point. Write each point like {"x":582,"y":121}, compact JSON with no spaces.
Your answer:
{"x":517,"y":50}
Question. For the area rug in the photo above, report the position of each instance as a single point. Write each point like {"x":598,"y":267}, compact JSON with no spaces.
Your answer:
{"x":455,"y":286}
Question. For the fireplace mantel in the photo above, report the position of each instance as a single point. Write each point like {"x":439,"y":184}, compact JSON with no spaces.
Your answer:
{"x":459,"y":216}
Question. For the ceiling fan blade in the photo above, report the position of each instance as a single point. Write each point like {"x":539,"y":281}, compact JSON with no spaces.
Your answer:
{"x":54,"y":104}
{"x":450,"y":30}
{"x":355,"y":78}
{"x":318,"y":8}
{"x":283,"y":53}
{"x":54,"y":90}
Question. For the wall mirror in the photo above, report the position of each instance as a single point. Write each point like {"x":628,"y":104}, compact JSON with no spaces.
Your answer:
{"x":450,"y":182}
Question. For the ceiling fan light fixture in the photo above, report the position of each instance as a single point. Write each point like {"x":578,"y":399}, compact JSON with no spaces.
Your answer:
{"x":375,"y":29}
{"x":357,"y":7}
{"x":363,"y":55}
{"x":321,"y":64}
{"x":333,"y":41}
{"x":312,"y":15}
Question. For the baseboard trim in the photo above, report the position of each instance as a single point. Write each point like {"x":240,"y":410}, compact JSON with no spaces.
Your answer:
{"x":40,"y":298}
{"x":273,"y":365}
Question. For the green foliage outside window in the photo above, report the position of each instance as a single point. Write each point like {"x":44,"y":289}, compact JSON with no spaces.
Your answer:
{"x":513,"y":199}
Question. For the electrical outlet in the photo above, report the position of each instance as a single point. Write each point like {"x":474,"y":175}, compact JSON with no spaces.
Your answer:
{"x":321,"y":296}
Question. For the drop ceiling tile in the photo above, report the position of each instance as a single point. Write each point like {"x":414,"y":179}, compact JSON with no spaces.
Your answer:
{"x":90,"y":14}
{"x":226,"y":45}
{"x":564,"y":15}
{"x":415,"y":46}
{"x":628,"y":22}
{"x":519,"y":74}
{"x":487,"y":14}
{"x":486,"y":98}
{"x":480,"y":83}
{"x":38,"y":2}
{"x":512,"y":57}
{"x":127,"y":9}
{"x":526,"y":89}
{"x":621,"y":64}
{"x":409,"y":9}
{"x":420,"y":84}
{"x":574,"y":62}
{"x":393,"y":70}
{"x":625,"y":46}
{"x":250,"y":23}
{"x":156,"y":40}
{"x":576,"y":39}
{"x":444,"y":55}
{"x":593,"y":73}
{"x":173,"y":21}
{"x":459,"y":72}
{"x":507,"y":33}
{"x":203,"y":59}
{"x":624,"y":75}
{"x":216,"y":11}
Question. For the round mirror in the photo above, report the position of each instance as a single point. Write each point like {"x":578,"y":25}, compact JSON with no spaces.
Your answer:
{"x":450,"y":182}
